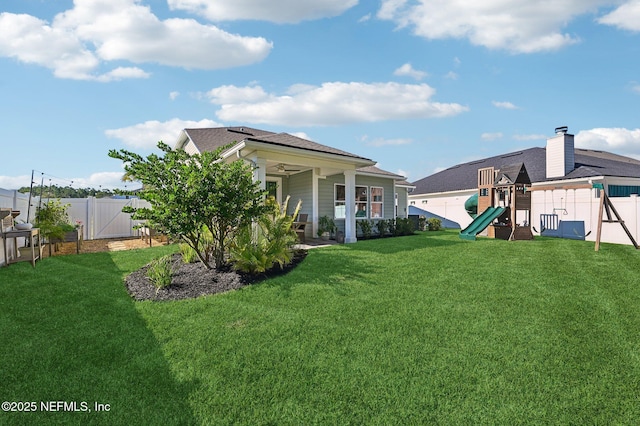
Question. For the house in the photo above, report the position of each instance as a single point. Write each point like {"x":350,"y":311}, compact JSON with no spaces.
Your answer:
{"x":562,"y":179}
{"x":326,"y":179}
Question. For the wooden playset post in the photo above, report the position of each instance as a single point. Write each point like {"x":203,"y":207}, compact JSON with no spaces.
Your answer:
{"x":606,"y":205}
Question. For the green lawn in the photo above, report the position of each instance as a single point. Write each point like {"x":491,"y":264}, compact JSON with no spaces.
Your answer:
{"x":426,"y":329}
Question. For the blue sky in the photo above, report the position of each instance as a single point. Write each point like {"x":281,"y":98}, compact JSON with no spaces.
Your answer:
{"x":417,"y":85}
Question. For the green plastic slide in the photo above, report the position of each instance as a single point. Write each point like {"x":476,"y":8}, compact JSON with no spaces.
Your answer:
{"x":481,"y":222}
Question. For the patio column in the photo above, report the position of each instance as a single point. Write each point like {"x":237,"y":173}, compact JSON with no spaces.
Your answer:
{"x":260,"y":172}
{"x":350,"y":204}
{"x":314,"y":200}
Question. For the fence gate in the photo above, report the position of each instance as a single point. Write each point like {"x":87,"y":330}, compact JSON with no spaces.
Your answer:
{"x":108,"y":219}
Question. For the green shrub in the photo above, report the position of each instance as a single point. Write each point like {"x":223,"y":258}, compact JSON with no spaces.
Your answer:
{"x":391,"y":226}
{"x":326,"y":224}
{"x":257,"y":248}
{"x":381,"y":226}
{"x":160,"y":271}
{"x":365,"y":228}
{"x":404,"y":226}
{"x":188,"y":254}
{"x":53,"y":220}
{"x":434,"y":224}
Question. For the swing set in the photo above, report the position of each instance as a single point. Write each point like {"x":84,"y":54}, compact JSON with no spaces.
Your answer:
{"x":606,"y":207}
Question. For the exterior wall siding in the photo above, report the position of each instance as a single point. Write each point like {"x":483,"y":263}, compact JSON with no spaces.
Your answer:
{"x":326,"y":196}
{"x":298,"y":187}
{"x":403,"y":202}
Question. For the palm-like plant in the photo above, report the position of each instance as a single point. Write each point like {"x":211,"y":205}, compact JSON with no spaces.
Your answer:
{"x":258,"y":247}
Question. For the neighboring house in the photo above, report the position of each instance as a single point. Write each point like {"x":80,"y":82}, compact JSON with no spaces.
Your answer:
{"x":326,"y":179}
{"x":560,"y":175}
{"x":446,"y":223}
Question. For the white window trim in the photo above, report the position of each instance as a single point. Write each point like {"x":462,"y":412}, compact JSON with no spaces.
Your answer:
{"x":336,"y":201}
{"x":278,"y":181}
{"x":368,"y":202}
{"x":371,"y":202}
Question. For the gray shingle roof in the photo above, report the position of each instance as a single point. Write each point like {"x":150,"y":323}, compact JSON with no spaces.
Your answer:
{"x":211,"y":139}
{"x":377,"y":171}
{"x":285,"y":139}
{"x":589,"y":163}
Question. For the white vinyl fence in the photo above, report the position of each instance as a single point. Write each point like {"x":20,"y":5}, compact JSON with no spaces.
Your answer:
{"x":103,"y":217}
{"x":100,"y":217}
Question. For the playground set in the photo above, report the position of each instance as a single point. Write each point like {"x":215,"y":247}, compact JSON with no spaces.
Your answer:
{"x":505,"y":202}
{"x":504,"y":198}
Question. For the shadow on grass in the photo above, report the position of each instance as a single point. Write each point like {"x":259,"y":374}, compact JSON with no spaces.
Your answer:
{"x":71,"y":333}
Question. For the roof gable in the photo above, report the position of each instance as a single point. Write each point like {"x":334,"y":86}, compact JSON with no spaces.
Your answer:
{"x":512,"y":174}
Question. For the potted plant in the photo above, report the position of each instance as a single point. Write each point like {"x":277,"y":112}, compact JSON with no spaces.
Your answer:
{"x":326,"y":227}
{"x":53,"y":220}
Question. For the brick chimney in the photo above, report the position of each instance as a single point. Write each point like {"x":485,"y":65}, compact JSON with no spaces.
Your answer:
{"x":560,"y":154}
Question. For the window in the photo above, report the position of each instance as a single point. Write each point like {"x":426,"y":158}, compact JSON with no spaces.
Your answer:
{"x":339,"y":203}
{"x":272,"y":189}
{"x":484,"y":192}
{"x":361,"y":202}
{"x":361,"y":196}
{"x":377,"y":206}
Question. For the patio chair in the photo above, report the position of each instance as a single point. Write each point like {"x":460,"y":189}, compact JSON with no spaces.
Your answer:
{"x":300,"y":226}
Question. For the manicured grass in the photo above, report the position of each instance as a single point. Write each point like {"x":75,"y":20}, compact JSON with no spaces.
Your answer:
{"x":413,"y":330}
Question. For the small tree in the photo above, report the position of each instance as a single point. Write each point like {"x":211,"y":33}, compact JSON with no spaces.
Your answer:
{"x":195,"y":196}
{"x":53,"y":220}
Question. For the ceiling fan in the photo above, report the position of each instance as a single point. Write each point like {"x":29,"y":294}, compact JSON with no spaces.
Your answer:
{"x":284,"y":169}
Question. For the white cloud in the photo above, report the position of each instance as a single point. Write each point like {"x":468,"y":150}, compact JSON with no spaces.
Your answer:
{"x":408,"y":71}
{"x":451,"y":75}
{"x":279,"y":11}
{"x":512,"y":25}
{"x":302,"y":135}
{"x":330,"y":104}
{"x":635,"y":87}
{"x":625,"y":17}
{"x":121,"y":73}
{"x":232,"y":94}
{"x":617,"y":140}
{"x":365,"y":18}
{"x":504,"y":105}
{"x":146,"y":135}
{"x":106,"y":180}
{"x":15,"y":182}
{"x":85,"y":38}
{"x":491,"y":136}
{"x":174,"y":95}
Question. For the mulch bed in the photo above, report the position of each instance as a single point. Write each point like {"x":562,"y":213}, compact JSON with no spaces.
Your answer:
{"x":191,"y":280}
